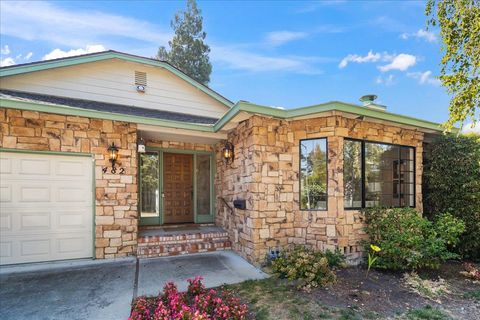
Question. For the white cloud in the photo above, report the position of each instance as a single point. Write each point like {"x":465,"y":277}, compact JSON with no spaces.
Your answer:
{"x":400,"y":62}
{"x":28,"y":56}
{"x":58,"y":53}
{"x":5,"y":50}
{"x":8,"y":61}
{"x":470,"y":128}
{"x":387,"y":80}
{"x":277,"y":38}
{"x":239,"y":59}
{"x":370,"y":57}
{"x":424,"y":77}
{"x":44,"y":21}
{"x":420,"y":34}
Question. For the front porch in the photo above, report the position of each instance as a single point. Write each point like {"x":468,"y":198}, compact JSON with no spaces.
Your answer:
{"x":172,"y":240}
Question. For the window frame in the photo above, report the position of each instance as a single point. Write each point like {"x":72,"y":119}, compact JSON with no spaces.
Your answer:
{"x":362,"y":147}
{"x":300,"y":172}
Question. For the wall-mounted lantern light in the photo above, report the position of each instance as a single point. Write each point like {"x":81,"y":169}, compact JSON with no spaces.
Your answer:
{"x":113,"y":154}
{"x":141,"y":146}
{"x":228,"y":152}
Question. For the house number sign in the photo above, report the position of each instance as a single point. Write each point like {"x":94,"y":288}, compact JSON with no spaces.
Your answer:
{"x":114,"y":170}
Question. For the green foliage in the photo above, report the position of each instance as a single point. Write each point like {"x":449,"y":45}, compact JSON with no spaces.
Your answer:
{"x":407,"y":240}
{"x":310,"y":267}
{"x":426,"y":313}
{"x":188,"y":52}
{"x":336,"y":259}
{"x":459,"y":22}
{"x":451,"y":182}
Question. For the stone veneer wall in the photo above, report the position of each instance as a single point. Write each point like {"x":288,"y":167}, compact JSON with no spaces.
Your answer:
{"x":116,"y":195}
{"x":266,"y":173}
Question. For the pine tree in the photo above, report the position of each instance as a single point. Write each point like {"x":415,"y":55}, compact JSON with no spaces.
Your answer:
{"x":187,"y":50}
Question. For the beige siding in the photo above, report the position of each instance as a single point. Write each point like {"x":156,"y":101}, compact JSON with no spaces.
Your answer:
{"x":113,"y":81}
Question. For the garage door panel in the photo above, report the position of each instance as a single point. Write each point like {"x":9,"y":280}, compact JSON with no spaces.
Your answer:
{"x":34,"y":193}
{"x":5,"y":166}
{"x":71,"y":168}
{"x":46,"y":208}
{"x":72,"y":194}
{"x":30,"y":221}
{"x":34,"y":167}
{"x":5,"y":193}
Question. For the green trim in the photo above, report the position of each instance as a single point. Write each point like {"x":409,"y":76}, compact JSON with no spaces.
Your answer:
{"x":241,"y":106}
{"x":72,"y":111}
{"x":107,"y":55}
{"x":198,"y":218}
{"x":71,"y":154}
{"x":150,"y":220}
{"x":326,"y":107}
{"x":46,"y":152}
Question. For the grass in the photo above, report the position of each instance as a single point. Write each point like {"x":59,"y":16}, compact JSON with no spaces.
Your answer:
{"x":475,"y":295}
{"x":275,"y":298}
{"x":279,"y":299}
{"x":426,"y":313}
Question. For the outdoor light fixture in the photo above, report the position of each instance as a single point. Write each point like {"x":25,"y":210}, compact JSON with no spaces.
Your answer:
{"x":141,"y":146}
{"x":228,"y":152}
{"x":113,"y":154}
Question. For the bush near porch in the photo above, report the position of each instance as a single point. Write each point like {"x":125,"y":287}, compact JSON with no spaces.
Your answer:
{"x":408,"y":241}
{"x":197,"y":303}
{"x":451,"y":182}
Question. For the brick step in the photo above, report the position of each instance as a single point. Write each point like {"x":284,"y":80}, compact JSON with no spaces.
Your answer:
{"x":180,"y":248}
{"x":182,"y":238}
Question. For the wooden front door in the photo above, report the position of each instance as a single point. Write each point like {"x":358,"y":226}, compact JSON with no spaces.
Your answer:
{"x":178,"y":187}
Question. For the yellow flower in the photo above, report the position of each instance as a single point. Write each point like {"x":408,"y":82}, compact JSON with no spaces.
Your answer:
{"x":375,"y":248}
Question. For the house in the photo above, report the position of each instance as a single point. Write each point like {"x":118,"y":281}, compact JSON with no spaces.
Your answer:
{"x":109,"y":154}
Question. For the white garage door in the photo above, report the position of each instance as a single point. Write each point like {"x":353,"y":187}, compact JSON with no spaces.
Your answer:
{"x":46,"y":210}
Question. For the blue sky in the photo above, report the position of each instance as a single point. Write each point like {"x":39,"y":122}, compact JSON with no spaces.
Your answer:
{"x":285,"y":54}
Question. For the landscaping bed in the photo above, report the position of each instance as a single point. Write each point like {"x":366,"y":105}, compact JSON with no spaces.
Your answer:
{"x":383,"y":295}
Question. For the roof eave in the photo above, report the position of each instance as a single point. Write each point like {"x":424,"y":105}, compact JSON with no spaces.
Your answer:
{"x":107,"y":55}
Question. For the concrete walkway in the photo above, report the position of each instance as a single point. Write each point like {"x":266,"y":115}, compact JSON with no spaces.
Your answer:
{"x":104,"y":289}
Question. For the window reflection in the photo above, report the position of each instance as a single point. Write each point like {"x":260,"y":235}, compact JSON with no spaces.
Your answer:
{"x":313,"y":174}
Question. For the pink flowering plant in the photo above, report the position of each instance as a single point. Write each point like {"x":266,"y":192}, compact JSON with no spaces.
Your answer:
{"x":197,"y":303}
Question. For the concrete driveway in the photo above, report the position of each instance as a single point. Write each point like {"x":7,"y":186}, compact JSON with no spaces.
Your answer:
{"x":104,"y":289}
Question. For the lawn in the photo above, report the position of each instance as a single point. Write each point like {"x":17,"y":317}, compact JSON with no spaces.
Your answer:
{"x":384,"y":295}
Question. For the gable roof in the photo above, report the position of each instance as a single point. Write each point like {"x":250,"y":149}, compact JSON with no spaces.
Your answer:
{"x":31,"y":101}
{"x":107,"y":55}
{"x":106,"y":107}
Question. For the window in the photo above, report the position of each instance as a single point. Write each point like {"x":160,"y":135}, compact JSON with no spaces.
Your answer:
{"x":377,"y":174}
{"x":149,"y":166}
{"x":352,"y":173}
{"x":313,"y":174}
{"x":203,"y":184}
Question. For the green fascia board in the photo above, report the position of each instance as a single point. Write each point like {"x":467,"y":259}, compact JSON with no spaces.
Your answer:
{"x":326,"y":107}
{"x":72,"y":111}
{"x":14,"y":70}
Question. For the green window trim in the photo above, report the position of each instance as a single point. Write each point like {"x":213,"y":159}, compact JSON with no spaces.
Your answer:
{"x":198,"y":218}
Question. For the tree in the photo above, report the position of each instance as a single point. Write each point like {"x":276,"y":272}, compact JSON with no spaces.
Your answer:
{"x":459,"y":22}
{"x":188,"y":52}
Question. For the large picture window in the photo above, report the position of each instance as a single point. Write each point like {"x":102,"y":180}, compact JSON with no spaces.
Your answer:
{"x":377,"y":174}
{"x":313,"y":174}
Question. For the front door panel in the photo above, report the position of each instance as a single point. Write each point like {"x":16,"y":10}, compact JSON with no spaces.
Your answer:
{"x":178,"y":187}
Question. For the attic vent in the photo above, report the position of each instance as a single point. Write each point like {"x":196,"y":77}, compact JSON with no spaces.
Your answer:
{"x":140,"y":81}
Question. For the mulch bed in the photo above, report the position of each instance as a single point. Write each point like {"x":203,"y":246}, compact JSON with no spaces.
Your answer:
{"x":385,"y":294}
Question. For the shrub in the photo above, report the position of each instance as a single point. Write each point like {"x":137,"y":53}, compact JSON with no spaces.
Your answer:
{"x":451,"y":183}
{"x":310,"y":267}
{"x":198,"y":303}
{"x":409,"y":241}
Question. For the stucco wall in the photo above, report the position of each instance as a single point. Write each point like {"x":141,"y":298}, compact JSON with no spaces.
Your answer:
{"x":266,"y":174}
{"x":116,"y":195}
